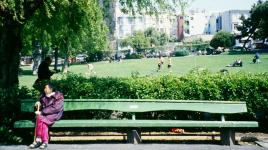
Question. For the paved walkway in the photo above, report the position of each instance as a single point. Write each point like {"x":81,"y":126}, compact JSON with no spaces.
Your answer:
{"x":137,"y":147}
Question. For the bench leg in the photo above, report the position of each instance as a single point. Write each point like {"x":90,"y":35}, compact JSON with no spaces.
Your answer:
{"x":227,"y":137}
{"x":134,"y":137}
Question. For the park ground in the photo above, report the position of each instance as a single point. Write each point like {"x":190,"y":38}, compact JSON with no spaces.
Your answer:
{"x":159,"y":141}
{"x":148,"y":67}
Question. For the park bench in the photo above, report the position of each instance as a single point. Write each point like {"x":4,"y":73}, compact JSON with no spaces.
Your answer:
{"x":134,"y":106}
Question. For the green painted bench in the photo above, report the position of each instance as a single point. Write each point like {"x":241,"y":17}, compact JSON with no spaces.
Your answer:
{"x":146,"y":105}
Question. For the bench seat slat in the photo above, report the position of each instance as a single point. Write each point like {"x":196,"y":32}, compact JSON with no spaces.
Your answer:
{"x":224,"y":107}
{"x":141,"y":123}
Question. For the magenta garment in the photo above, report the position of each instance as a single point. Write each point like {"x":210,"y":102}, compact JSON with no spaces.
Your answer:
{"x":52,"y":107}
{"x":42,"y":129}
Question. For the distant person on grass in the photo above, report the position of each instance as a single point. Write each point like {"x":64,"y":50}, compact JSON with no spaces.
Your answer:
{"x":256,"y":58}
{"x":160,"y":62}
{"x":169,"y":62}
{"x":237,"y":63}
{"x":50,"y":109}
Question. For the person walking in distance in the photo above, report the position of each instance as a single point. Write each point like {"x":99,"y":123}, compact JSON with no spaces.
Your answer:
{"x":169,"y":62}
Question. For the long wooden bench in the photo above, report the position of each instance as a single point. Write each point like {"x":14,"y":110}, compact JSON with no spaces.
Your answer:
{"x":134,"y":106}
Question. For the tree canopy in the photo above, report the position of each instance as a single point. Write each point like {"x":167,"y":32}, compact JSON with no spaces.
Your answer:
{"x":149,"y":38}
{"x":72,"y":26}
{"x":222,"y":39}
{"x":256,"y":25}
{"x":16,"y":14}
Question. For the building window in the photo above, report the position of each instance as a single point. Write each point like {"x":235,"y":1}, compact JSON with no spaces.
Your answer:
{"x":235,"y":26}
{"x":130,"y":20}
{"x":121,"y":31}
{"x":120,"y":20}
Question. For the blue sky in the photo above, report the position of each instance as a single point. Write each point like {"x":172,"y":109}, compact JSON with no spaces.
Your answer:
{"x":222,"y":5}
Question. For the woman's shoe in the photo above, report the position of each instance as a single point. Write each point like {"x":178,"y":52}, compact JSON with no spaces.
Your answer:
{"x":35,"y":145}
{"x":43,"y":146}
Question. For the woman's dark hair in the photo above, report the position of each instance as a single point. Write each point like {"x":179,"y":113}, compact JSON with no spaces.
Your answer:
{"x":51,"y":86}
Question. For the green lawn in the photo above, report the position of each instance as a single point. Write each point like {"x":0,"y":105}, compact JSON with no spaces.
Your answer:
{"x":148,"y":66}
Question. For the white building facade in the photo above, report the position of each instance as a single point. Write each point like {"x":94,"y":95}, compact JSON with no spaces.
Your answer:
{"x":196,"y":22}
{"x":230,"y":20}
{"x":127,"y":24}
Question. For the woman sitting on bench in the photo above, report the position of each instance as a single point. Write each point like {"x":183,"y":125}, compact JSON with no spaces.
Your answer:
{"x":51,"y":110}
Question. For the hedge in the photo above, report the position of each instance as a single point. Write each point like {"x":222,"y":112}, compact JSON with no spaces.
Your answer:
{"x":181,"y":52}
{"x":252,"y":88}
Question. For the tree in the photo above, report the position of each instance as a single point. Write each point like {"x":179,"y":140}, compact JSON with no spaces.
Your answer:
{"x":14,"y":14}
{"x":153,"y":36}
{"x":163,"y":39}
{"x":71,"y":27}
{"x":256,"y":25}
{"x":222,"y":39}
{"x":149,"y":38}
{"x":138,"y":41}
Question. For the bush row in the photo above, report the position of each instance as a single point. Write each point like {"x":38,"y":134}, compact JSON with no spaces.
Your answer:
{"x":252,"y":88}
{"x":9,"y":112}
{"x":181,"y":52}
{"x":134,"y":56}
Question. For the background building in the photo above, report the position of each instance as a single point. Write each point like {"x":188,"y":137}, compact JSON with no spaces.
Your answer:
{"x":231,"y":19}
{"x":196,"y":22}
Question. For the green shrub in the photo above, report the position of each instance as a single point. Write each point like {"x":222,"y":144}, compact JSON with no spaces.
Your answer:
{"x":181,"y":52}
{"x":197,"y":85}
{"x":134,"y":56}
{"x":9,"y":112}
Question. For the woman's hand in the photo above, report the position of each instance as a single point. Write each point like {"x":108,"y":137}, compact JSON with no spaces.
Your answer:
{"x":37,"y":112}
{"x":37,"y":104}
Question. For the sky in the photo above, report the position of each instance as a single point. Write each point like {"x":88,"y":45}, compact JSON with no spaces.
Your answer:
{"x":222,"y":5}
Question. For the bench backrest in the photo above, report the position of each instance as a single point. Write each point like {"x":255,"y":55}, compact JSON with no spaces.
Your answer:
{"x":146,"y":105}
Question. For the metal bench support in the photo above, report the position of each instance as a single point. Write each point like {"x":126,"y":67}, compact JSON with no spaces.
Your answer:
{"x":227,"y":137}
{"x":134,"y":137}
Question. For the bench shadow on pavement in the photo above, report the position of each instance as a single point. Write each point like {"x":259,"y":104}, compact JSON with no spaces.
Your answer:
{"x":143,"y":142}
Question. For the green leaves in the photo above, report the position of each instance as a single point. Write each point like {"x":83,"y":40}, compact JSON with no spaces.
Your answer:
{"x":141,"y":40}
{"x":256,"y":25}
{"x":222,"y":39}
{"x":68,"y":25}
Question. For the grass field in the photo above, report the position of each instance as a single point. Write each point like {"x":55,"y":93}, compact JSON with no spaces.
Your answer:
{"x":148,"y":66}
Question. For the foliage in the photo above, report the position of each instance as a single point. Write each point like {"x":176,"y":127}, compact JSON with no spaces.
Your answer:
{"x":197,"y":85}
{"x":256,"y":25}
{"x":138,"y":41}
{"x":8,"y":113}
{"x":197,"y":44}
{"x":134,"y":56}
{"x":98,"y":56}
{"x":149,"y":38}
{"x":156,"y":38}
{"x":144,"y":6}
{"x":15,"y":14}
{"x":71,"y":26}
{"x":181,"y":52}
{"x":222,"y":39}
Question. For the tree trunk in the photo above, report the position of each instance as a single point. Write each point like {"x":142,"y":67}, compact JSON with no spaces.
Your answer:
{"x":10,"y":48}
{"x":56,"y":55}
{"x":66,"y":64}
{"x":251,"y":34}
{"x":37,"y":58}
